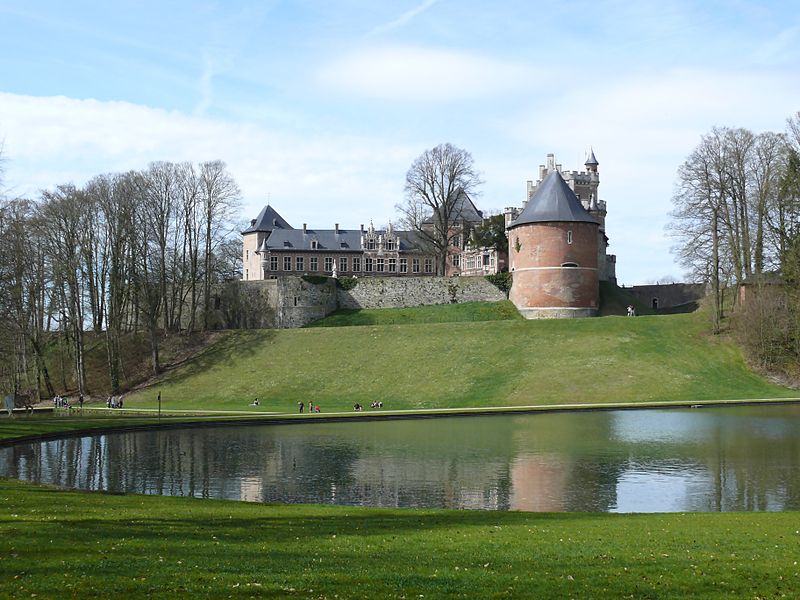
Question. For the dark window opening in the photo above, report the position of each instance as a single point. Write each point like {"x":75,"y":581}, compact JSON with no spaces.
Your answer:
{"x":569,"y":264}
{"x":655,"y":303}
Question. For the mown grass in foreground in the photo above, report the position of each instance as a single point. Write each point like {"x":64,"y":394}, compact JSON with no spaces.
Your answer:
{"x":58,"y":544}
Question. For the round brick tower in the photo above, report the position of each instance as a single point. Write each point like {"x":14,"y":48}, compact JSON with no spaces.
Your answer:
{"x":552,"y":248}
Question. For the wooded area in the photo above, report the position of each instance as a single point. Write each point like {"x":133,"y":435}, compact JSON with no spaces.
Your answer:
{"x":135,"y":251}
{"x":737,"y":225}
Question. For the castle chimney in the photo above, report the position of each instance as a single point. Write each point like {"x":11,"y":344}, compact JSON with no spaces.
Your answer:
{"x":336,"y":228}
{"x":362,"y":228}
{"x":304,"y":228}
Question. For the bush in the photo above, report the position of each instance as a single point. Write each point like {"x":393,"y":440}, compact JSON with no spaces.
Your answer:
{"x":346,"y":283}
{"x":501,"y":280}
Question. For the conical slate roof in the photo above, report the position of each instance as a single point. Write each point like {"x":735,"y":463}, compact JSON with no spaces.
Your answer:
{"x":267,"y":220}
{"x":553,"y":201}
{"x":591,"y":161}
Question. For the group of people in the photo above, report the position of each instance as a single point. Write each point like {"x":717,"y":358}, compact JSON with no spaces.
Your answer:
{"x":631,"y":310}
{"x":312,"y":408}
{"x":377,"y":404}
{"x":60,"y":401}
{"x":114,"y":402}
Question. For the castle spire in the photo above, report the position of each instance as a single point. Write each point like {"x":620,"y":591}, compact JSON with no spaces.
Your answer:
{"x":591,"y":162}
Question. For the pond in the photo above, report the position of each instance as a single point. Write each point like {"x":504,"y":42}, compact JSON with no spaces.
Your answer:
{"x":720,"y":459}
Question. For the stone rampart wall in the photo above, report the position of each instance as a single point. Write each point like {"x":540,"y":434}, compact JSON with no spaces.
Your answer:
{"x":289,"y":302}
{"x":401,"y":292}
{"x":668,"y":294}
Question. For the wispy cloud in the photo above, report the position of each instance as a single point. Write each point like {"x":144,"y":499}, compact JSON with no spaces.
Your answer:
{"x":403,"y":19}
{"x":780,"y":47}
{"x":412,"y":73}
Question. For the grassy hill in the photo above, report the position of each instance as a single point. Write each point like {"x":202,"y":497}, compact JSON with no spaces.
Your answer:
{"x":463,"y":364}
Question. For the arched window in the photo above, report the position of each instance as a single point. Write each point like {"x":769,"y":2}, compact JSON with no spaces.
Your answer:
{"x":569,"y":264}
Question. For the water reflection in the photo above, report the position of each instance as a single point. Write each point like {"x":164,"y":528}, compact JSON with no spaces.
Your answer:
{"x":627,"y":461}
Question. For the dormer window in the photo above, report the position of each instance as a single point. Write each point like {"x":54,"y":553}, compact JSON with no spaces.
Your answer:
{"x":389,"y":244}
{"x":287,"y":244}
{"x":370,"y":243}
{"x":343,"y":244}
{"x":314,"y":244}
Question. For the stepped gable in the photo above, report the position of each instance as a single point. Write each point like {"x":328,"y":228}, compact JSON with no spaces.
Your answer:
{"x":554,"y":201}
{"x":267,"y":220}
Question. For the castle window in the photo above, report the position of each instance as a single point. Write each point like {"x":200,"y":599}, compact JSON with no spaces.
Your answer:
{"x":314,"y":263}
{"x":569,"y":264}
{"x":379,"y":265}
{"x":273,"y":263}
{"x":415,"y":265}
{"x":247,"y":254}
{"x":456,"y":260}
{"x":429,"y":265}
{"x":356,"y":264}
{"x":287,"y":263}
{"x":392,"y":264}
{"x":342,"y":264}
{"x":371,"y":244}
{"x":368,"y":264}
{"x":389,"y":245}
{"x":314,"y":244}
{"x":329,"y":263}
{"x":404,"y":265}
{"x":247,"y":274}
{"x":569,"y":237}
{"x":299,"y":264}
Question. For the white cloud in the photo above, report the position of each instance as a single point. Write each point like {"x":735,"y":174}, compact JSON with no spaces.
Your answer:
{"x":321,"y":180}
{"x":410,"y":73}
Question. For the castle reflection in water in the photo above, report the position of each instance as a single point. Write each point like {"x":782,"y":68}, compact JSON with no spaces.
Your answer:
{"x":731,"y":459}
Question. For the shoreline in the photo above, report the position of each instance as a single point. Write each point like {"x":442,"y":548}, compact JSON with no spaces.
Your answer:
{"x":246,"y":418}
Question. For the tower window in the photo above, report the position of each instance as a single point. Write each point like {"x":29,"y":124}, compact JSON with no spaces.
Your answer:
{"x":569,"y":264}
{"x":569,"y":237}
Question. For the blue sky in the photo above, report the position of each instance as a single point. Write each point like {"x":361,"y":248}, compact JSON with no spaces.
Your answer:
{"x":320,"y":107}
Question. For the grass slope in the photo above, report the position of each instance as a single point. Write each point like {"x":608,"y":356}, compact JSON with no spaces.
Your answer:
{"x":494,"y":363}
{"x":59,"y":544}
{"x":443,"y":313}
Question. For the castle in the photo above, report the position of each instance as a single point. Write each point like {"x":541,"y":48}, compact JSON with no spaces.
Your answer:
{"x":556,"y":256}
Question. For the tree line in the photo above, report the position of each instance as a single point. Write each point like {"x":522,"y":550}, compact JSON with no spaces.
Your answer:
{"x":736,"y":221}
{"x":126,"y":252}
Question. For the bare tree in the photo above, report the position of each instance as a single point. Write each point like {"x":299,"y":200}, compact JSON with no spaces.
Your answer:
{"x":435,"y":188}
{"x":62,"y":221}
{"x":220,"y":197}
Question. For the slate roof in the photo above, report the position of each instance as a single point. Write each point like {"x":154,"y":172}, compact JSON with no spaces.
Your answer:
{"x":554,"y":201}
{"x":463,"y":209}
{"x":347,"y":240}
{"x":267,"y":220}
{"x":591,"y":161}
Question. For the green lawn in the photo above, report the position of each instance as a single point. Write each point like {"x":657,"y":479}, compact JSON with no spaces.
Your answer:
{"x":60,"y":544}
{"x":463,"y":364}
{"x":443,"y":313}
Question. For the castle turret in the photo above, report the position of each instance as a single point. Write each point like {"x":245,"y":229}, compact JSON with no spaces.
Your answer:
{"x":591,"y":163}
{"x":553,"y":248}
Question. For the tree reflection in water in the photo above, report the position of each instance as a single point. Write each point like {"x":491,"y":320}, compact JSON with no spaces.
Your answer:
{"x":745,"y":458}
